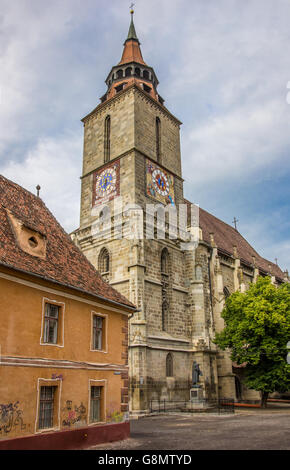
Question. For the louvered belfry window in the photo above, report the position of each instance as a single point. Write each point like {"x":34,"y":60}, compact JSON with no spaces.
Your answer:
{"x":51,"y":319}
{"x":46,"y":407}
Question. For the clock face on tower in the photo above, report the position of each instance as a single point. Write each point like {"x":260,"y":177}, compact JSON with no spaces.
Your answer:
{"x":106,"y":184}
{"x":160,"y":184}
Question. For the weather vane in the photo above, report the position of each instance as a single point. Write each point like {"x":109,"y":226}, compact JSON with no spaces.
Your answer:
{"x":132,"y":8}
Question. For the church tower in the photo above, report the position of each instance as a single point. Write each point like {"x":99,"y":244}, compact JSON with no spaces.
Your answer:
{"x":132,"y":152}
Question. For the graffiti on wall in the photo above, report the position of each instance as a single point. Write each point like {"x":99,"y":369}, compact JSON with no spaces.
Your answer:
{"x":74,"y":416}
{"x":11,"y":417}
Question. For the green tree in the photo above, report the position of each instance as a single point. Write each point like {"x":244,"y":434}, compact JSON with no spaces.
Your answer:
{"x":257,"y":330}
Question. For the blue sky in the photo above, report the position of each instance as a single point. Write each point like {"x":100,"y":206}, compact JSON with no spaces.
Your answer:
{"x":223,"y":67}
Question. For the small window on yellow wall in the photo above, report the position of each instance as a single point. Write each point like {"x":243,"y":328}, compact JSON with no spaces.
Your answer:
{"x":52,"y":323}
{"x":96,"y":405}
{"x":98,"y":333}
{"x":47,"y":407}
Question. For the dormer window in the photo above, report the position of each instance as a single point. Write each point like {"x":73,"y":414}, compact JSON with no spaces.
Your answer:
{"x":28,"y":239}
{"x":33,"y":242}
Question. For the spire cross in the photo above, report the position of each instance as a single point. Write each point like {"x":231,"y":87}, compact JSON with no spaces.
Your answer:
{"x":235,"y":221}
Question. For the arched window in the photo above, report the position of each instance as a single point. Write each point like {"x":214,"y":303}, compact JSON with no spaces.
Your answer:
{"x":146,"y":75}
{"x":137,"y":71}
{"x":158,"y":139}
{"x":165,"y":261}
{"x":128,"y":72}
{"x":104,"y":261}
{"x":120,"y":74}
{"x":107,"y":142}
{"x":169,"y":365}
{"x":226,"y":292}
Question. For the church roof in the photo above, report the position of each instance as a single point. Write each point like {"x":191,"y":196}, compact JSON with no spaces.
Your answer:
{"x":63,"y":263}
{"x":227,"y":237}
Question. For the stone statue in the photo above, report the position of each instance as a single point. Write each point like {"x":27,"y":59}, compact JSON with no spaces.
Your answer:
{"x":196,"y":372}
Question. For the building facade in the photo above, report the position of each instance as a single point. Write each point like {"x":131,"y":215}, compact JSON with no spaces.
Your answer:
{"x":63,"y":336}
{"x":132,"y":152}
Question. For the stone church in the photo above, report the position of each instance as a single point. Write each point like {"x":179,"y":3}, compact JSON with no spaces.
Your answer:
{"x":132,"y":151}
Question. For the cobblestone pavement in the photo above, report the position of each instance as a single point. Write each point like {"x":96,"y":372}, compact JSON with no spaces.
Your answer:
{"x":250,"y":429}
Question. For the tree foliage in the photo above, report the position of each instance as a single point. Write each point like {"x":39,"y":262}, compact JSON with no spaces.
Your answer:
{"x":257,"y":329}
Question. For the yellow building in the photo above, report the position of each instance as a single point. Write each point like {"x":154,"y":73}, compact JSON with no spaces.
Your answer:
{"x":63,"y":335}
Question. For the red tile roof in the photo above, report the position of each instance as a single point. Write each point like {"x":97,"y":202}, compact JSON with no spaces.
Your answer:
{"x":64,"y":262}
{"x":226,"y":237}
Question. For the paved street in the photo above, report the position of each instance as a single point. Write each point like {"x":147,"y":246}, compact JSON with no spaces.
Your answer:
{"x":250,"y":429}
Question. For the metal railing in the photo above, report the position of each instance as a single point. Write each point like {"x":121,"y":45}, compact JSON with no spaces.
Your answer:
{"x":203,"y":405}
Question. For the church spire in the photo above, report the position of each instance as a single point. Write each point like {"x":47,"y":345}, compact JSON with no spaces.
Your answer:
{"x":132,"y":31}
{"x":132,"y":69}
{"x":132,"y":51}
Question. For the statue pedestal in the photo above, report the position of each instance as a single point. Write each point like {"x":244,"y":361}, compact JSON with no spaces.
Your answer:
{"x":197,"y":398}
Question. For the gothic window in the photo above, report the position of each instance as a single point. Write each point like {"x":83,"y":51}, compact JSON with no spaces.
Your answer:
{"x":164,"y":316}
{"x":165,"y":261}
{"x":104,"y":261}
{"x":169,"y":365}
{"x":158,"y":139}
{"x":226,"y":292}
{"x":107,"y":143}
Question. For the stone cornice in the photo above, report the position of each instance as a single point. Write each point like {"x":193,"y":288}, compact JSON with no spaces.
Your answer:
{"x":162,"y":108}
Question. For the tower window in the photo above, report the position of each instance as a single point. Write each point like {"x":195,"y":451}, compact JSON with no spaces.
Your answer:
{"x":165,"y":261}
{"x":146,"y":88}
{"x":119,"y":88}
{"x":104,"y":261}
{"x":128,"y":72}
{"x":169,"y":365}
{"x":164,"y":316}
{"x":120,"y":74}
{"x":137,"y":72}
{"x":146,"y":75}
{"x":158,"y":139}
{"x":107,"y":143}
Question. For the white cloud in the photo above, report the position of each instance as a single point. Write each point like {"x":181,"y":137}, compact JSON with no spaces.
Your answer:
{"x":52,"y":165}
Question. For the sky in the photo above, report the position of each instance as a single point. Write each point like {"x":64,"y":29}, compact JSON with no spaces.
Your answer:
{"x":223,"y":68}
